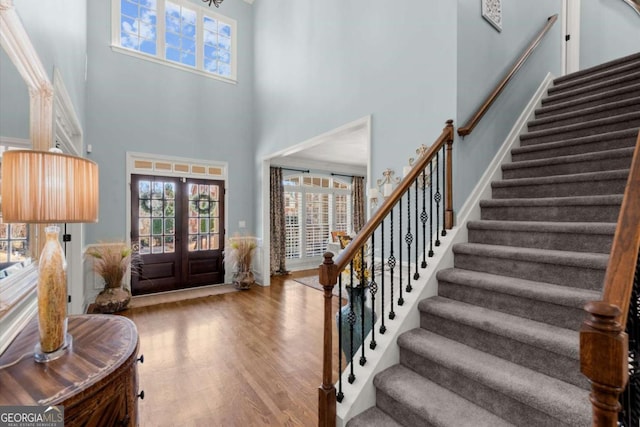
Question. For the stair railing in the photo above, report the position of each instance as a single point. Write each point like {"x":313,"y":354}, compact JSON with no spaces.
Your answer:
{"x":430,"y":176}
{"x":473,"y":121}
{"x":609,"y":355}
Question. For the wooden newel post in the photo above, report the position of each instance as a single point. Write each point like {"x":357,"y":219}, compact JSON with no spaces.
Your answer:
{"x":448,"y":217}
{"x":603,"y":359}
{"x":327,"y":391}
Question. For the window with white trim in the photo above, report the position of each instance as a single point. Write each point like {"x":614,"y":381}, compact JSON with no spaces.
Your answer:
{"x":314,"y":206}
{"x":177,"y":33}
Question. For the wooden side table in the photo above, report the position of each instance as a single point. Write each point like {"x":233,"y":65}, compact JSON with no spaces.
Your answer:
{"x":96,"y":381}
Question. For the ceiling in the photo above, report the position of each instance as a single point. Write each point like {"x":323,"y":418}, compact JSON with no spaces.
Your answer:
{"x":345,"y":146}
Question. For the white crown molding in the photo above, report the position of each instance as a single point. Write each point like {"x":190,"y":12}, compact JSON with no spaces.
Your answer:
{"x":16,"y":43}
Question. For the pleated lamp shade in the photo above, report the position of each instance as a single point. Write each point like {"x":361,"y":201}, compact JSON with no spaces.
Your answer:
{"x":47,"y":187}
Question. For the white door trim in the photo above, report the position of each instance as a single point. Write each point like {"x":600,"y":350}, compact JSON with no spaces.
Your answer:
{"x":570,"y":27}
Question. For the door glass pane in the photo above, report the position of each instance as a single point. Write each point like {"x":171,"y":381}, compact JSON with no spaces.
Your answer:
{"x":156,"y":210}
{"x":204,"y":213}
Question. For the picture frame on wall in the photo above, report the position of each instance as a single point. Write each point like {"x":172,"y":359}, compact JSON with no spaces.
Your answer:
{"x":492,"y":12}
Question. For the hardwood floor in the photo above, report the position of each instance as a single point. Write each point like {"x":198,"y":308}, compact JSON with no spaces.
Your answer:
{"x":250,"y":358}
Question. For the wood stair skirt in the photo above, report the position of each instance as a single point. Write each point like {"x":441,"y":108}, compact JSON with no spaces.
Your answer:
{"x":499,"y":345}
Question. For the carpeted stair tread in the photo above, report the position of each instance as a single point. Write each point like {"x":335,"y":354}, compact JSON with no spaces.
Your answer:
{"x":422,"y":402}
{"x":373,"y":417}
{"x":610,"y":199}
{"x":596,"y":69}
{"x":537,"y":334}
{"x":586,"y":114}
{"x":546,"y":256}
{"x":579,"y":184}
{"x":587,"y":101}
{"x":564,"y":236}
{"x":593,"y":88}
{"x":585,"y":162}
{"x":600,"y":75}
{"x":594,"y":127}
{"x":537,"y":291}
{"x":587,"y":144}
{"x":560,"y":400}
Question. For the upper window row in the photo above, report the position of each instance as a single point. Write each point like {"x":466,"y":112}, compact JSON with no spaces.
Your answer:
{"x":177,"y":32}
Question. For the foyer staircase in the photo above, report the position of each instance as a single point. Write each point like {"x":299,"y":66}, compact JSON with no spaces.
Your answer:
{"x":499,"y":345}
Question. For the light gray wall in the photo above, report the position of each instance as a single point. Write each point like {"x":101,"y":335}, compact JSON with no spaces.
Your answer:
{"x":320,"y":65}
{"x":484,"y":55}
{"x":14,"y":101}
{"x":609,"y":29}
{"x":141,"y":106}
{"x":57,"y":30}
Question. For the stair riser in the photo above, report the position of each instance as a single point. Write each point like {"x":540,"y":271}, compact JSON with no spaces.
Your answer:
{"x":553,"y":314}
{"x":564,"y":189}
{"x":596,"y":213}
{"x":399,"y":412}
{"x":584,"y":118}
{"x":563,"y":134}
{"x":499,"y":403}
{"x":596,"y":77}
{"x":623,"y":94}
{"x":565,"y":275}
{"x":595,"y":165}
{"x":538,"y":359}
{"x":577,"y":242}
{"x":597,"y":88}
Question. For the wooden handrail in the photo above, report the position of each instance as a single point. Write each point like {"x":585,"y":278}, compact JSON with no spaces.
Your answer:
{"x":471,"y":124}
{"x":329,"y":270}
{"x":603,"y":341}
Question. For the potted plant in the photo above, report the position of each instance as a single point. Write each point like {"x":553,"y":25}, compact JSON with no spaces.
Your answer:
{"x":111,"y":261}
{"x":240,"y":258}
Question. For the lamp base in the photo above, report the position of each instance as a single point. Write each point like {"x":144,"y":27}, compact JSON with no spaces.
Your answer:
{"x":43,"y":356}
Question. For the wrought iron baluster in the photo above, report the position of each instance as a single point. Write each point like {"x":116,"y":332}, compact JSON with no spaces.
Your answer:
{"x":373,"y":288}
{"x":630,"y":399}
{"x":363,"y":281}
{"x":423,"y":219}
{"x":444,"y":188}
{"x":392,"y":264}
{"x":430,"y":209}
{"x":340,"y":394}
{"x":400,"y":298}
{"x":437,"y":197}
{"x":416,"y":275}
{"x":408,"y":238}
{"x":351,"y":318}
{"x":383,"y":328}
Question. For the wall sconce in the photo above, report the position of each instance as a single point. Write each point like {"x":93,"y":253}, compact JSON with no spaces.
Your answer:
{"x":385,"y":186}
{"x":420,"y":151}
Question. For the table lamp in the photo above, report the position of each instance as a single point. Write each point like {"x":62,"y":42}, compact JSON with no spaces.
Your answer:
{"x":50,"y":188}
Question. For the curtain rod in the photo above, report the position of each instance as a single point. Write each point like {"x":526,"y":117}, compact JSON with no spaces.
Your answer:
{"x":349,"y":176}
{"x":297,"y":170}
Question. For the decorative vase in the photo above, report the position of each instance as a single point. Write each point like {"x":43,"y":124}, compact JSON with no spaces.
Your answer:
{"x":243,"y":279}
{"x":52,"y":293}
{"x":112,"y":300}
{"x":353,"y":312}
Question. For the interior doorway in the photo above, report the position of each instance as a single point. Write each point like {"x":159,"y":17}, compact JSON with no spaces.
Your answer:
{"x":177,"y":231}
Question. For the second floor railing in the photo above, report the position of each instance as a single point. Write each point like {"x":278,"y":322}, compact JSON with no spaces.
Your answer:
{"x":409,"y":223}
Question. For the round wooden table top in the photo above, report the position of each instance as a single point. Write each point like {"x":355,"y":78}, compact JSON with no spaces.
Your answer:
{"x":101,"y":344}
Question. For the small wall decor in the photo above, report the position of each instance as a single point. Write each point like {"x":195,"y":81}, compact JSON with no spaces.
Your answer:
{"x":492,"y":12}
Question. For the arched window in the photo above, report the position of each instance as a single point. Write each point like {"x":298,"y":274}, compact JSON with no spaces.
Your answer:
{"x":314,"y":206}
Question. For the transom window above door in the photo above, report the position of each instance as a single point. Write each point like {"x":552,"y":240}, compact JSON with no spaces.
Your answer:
{"x":176,"y":33}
